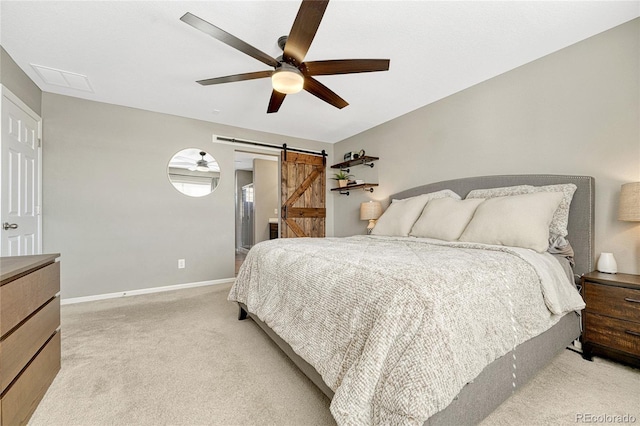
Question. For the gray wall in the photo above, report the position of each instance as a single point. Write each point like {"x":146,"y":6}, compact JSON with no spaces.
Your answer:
{"x":14,"y":79}
{"x":110,"y":210}
{"x":265,"y":187}
{"x":575,"y":111}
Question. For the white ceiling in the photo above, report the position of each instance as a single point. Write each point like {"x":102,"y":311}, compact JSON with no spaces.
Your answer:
{"x":139,"y":54}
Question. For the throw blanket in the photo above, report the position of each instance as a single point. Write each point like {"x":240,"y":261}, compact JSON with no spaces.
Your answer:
{"x":397,"y":326}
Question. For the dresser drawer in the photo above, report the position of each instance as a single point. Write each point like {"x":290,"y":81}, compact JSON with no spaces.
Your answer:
{"x":618,"y":302}
{"x":22,"y":398}
{"x":17,"y":348}
{"x":21,"y":297}
{"x":613,"y":333}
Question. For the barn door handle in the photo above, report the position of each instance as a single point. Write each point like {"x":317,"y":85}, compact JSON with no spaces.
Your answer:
{"x":8,"y":226}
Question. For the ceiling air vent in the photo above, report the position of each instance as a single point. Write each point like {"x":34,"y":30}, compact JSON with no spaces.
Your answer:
{"x":62,"y":78}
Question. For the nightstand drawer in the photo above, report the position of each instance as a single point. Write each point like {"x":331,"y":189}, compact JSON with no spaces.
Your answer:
{"x":618,"y":302}
{"x":616,"y":334}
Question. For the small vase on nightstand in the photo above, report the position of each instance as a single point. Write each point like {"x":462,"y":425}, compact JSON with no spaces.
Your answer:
{"x":607,"y":263}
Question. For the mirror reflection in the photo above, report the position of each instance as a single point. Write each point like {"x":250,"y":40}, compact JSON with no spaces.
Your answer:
{"x":194,"y":172}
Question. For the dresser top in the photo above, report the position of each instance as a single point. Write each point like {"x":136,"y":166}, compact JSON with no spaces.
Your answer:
{"x":13,"y":266}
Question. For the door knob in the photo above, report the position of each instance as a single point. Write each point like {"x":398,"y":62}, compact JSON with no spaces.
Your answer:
{"x":8,"y":226}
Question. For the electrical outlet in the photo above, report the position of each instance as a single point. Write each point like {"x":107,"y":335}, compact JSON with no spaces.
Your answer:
{"x":181,"y":264}
{"x":275,"y":211}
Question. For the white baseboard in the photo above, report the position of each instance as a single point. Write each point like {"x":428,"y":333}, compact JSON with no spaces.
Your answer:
{"x":72,"y":300}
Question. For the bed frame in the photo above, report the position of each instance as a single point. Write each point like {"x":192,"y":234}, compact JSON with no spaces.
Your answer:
{"x":496,"y":382}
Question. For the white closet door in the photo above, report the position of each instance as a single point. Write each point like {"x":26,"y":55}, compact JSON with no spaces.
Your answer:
{"x":20,"y":225}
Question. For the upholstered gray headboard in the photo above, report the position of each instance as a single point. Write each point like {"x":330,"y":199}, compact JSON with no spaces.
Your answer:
{"x":581,"y":214}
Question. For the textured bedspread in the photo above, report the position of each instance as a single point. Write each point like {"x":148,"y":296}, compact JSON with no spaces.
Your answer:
{"x":397,"y":326}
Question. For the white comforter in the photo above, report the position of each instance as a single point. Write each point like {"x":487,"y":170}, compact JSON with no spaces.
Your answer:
{"x":397,"y":326}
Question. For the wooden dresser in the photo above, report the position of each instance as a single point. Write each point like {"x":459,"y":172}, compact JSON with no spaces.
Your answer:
{"x":611,"y":320}
{"x":30,"y":339}
{"x":273,"y":231}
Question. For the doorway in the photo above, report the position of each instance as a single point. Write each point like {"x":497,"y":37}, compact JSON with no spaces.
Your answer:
{"x":257,"y":200}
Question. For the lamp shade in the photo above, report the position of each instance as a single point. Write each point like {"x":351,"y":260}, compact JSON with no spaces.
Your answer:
{"x":370,"y":210}
{"x":629,"y":209}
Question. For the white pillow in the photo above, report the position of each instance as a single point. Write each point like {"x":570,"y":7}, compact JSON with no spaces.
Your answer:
{"x":445,"y":218}
{"x":400,"y":216}
{"x":560,"y":221}
{"x":517,"y":220}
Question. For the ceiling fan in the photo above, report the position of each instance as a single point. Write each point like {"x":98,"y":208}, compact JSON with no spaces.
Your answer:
{"x":191,"y":164}
{"x":290,"y":73}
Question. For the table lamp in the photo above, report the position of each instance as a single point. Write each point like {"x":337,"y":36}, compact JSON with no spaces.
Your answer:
{"x":629,"y":209}
{"x":370,"y":211}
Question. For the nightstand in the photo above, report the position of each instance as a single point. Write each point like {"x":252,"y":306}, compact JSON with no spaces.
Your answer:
{"x":611,"y":320}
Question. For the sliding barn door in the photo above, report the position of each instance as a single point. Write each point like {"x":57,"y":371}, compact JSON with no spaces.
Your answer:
{"x":303,"y":195}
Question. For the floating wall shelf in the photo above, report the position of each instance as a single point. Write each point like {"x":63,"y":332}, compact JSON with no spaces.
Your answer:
{"x":364,"y":160}
{"x":364,"y":186}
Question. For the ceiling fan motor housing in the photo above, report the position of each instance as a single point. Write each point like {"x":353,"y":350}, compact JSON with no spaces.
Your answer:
{"x":282,"y":40}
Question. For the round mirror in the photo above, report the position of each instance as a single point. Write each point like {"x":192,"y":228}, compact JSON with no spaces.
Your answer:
{"x":194,"y":172}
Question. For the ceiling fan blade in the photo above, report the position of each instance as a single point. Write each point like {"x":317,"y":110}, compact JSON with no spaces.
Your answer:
{"x":276,"y":100}
{"x":344,"y":66}
{"x":321,"y":91}
{"x":303,"y":30}
{"x":227,"y":38}
{"x":236,"y":77}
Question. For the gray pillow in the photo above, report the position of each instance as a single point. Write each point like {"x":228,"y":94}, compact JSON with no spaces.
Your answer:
{"x":500,"y":192}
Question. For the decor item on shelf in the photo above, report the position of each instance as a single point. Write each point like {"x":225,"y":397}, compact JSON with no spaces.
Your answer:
{"x":607,"y":263}
{"x":629,"y":209}
{"x":370,"y":211}
{"x":348,"y":156}
{"x":342,"y":177}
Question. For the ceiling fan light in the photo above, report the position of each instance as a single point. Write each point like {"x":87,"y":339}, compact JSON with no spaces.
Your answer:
{"x":202,"y":168}
{"x":287,"y":81}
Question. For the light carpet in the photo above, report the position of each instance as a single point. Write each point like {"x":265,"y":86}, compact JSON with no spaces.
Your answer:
{"x":182,"y":358}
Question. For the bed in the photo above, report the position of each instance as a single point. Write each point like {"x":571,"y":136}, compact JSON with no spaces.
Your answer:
{"x":392,"y":381}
